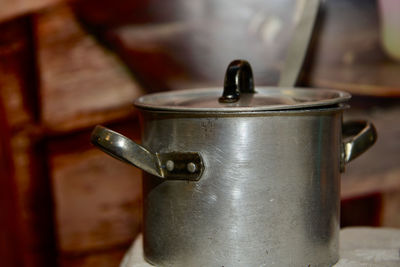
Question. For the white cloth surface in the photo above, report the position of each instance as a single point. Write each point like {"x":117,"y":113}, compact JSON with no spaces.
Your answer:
{"x":359,"y":246}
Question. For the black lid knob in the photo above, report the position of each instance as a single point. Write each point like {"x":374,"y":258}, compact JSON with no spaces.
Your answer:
{"x":238,"y":79}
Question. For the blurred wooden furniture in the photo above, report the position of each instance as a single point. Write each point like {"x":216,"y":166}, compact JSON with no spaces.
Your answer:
{"x":65,"y":203}
{"x":11,"y":8}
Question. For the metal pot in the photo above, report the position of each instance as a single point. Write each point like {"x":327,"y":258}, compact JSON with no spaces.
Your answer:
{"x":247,"y":179}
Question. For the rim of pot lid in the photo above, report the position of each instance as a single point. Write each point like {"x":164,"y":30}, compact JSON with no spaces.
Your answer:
{"x":239,"y":95}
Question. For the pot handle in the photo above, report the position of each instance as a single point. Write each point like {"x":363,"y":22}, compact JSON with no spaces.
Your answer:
{"x":172,"y":166}
{"x":358,"y":137}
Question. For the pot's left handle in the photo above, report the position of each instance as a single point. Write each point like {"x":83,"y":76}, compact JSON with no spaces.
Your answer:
{"x":173,"y":165}
{"x":358,"y":137}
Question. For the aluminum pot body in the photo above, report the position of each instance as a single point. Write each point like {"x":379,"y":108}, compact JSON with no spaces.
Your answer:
{"x":269,"y":194}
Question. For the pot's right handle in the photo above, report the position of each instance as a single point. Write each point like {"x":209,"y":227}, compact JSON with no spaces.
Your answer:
{"x":358,"y":137}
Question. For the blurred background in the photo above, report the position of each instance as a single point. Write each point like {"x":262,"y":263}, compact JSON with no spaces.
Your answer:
{"x":67,"y":65}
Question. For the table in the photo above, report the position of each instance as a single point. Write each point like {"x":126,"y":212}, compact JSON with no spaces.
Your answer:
{"x":359,"y":246}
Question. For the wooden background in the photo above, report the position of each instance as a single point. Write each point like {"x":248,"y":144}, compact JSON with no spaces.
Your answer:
{"x":66,"y":66}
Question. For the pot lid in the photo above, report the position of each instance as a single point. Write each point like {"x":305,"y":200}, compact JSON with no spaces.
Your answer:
{"x":239,"y":95}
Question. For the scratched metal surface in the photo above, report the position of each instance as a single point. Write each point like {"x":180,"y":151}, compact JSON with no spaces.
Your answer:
{"x":269,"y":194}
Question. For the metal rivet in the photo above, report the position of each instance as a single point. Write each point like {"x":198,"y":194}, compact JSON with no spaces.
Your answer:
{"x":191,"y":167}
{"x":170,"y":165}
